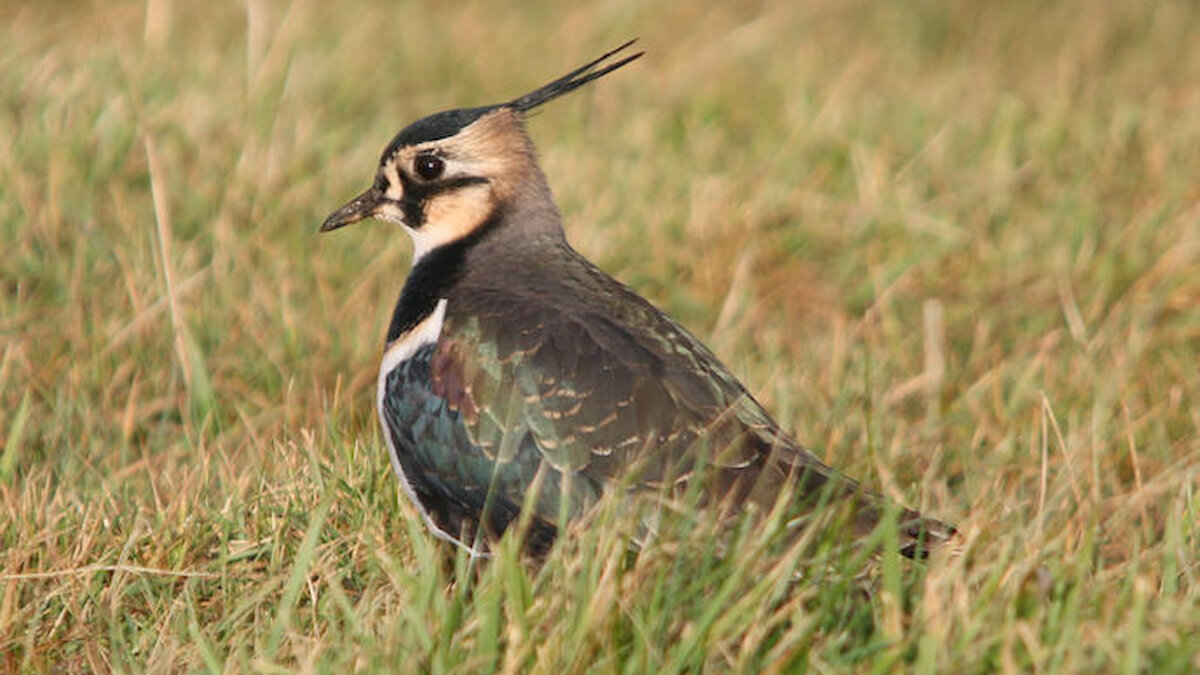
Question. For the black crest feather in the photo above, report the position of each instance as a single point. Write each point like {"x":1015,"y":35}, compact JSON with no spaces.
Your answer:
{"x":449,"y":122}
{"x":574,"y":79}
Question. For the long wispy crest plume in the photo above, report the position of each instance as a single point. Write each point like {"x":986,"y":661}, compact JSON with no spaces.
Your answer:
{"x":573,"y":80}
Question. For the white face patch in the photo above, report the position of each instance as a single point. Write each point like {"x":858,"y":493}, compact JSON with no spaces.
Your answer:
{"x":494,"y":148}
{"x":449,"y":216}
{"x":398,"y":351}
{"x":394,"y":190}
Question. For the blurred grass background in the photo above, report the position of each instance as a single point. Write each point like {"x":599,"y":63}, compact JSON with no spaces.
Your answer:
{"x":954,"y":246}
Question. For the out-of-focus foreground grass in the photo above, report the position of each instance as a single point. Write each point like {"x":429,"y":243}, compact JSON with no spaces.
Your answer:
{"x":954,"y":246}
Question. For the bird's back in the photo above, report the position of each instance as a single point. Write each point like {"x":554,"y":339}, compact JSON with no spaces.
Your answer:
{"x":607,"y":387}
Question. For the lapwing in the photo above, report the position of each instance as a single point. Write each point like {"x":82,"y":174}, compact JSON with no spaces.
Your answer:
{"x":517,"y":373}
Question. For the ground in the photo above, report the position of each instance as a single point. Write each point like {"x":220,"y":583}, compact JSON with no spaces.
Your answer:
{"x":954,"y":246}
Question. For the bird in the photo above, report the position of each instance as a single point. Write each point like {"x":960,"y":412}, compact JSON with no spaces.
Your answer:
{"x":518,"y":375}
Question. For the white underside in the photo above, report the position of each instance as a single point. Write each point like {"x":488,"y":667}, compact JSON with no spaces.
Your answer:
{"x":398,"y":351}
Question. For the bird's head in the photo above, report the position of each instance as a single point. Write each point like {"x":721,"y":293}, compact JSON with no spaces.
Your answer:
{"x":445,"y":175}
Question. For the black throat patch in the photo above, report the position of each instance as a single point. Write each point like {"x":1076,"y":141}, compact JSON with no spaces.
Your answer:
{"x":432,"y":278}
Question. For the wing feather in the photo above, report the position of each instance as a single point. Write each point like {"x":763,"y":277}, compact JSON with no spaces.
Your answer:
{"x":605,"y":390}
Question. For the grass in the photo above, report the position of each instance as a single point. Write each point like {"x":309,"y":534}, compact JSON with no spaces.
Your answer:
{"x":955,"y":247}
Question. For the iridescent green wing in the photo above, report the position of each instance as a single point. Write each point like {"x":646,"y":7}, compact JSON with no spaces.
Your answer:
{"x":603,"y":396}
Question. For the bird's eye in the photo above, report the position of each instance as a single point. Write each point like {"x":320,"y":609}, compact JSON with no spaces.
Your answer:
{"x":429,"y":167}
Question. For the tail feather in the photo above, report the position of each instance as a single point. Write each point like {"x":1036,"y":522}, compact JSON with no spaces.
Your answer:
{"x":808,"y":484}
{"x":921,"y":535}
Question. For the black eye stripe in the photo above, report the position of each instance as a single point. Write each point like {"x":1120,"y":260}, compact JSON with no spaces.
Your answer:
{"x":418,"y":191}
{"x":452,"y":184}
{"x":416,"y":194}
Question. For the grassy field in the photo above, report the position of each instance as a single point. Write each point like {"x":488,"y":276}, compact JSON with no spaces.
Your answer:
{"x":954,"y":246}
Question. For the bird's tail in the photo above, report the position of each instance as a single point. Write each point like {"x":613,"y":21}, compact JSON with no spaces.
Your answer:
{"x":808,"y":485}
{"x":921,"y":535}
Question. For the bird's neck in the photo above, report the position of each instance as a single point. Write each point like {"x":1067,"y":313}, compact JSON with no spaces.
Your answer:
{"x":434,"y":273}
{"x":510,"y":239}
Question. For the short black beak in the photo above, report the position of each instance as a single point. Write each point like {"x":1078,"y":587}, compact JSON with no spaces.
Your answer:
{"x":362,"y":206}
